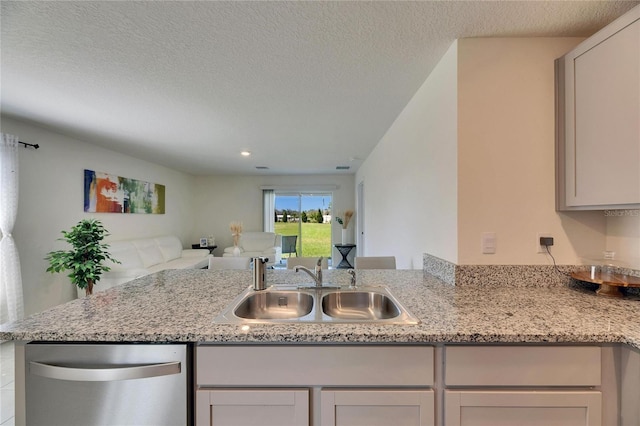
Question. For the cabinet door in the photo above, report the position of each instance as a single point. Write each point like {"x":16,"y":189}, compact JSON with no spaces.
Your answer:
{"x":602,"y":147}
{"x":629,"y":386}
{"x":249,"y":407}
{"x":377,"y":407}
{"x":522,"y":408}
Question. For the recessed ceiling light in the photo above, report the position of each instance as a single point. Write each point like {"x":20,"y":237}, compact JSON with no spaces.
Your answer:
{"x":245,"y":153}
{"x":343,"y":167}
{"x":262,"y":167}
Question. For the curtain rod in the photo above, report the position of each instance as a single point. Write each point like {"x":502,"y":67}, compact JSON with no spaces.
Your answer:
{"x":26,"y":145}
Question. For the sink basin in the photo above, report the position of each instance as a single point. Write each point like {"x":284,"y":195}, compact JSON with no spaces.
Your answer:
{"x":359,"y":305}
{"x":287,"y":304}
{"x":275,"y":305}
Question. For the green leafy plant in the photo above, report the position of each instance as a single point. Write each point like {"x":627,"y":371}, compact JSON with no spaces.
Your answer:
{"x":85,"y":259}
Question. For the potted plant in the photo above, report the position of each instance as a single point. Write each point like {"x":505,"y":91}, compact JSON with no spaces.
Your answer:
{"x":85,"y":259}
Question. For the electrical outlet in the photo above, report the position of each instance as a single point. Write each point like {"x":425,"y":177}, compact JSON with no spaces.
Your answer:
{"x":540,"y":248}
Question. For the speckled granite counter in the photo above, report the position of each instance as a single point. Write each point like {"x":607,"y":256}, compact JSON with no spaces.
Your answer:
{"x":180,"y":306}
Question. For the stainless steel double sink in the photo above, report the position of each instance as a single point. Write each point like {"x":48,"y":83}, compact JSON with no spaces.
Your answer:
{"x":317,"y":305}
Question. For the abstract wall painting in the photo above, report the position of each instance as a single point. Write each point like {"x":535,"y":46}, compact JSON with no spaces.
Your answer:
{"x":105,"y":193}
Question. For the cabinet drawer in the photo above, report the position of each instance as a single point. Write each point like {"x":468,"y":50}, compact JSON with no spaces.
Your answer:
{"x":522,"y":365}
{"x":314,"y":366}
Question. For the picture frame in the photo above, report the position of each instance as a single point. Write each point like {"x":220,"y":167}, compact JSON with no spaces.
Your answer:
{"x":203,"y":242}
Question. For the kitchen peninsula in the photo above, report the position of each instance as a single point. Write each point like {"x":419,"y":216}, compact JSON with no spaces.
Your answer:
{"x":588,"y":344}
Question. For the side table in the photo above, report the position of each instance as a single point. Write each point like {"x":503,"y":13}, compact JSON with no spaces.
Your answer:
{"x":210,"y":248}
{"x":344,"y":250}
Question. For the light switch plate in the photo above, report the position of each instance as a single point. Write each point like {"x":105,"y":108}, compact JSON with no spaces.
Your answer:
{"x":488,"y":243}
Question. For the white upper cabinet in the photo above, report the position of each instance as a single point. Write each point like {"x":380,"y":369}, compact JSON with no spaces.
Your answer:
{"x":598,"y":149}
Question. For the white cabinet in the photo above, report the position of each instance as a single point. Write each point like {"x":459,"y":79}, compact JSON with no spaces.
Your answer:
{"x":629,"y":386}
{"x":415,"y":385}
{"x":523,"y":385}
{"x":315,"y":384}
{"x":598,"y":149}
{"x":252,"y":407}
{"x":522,"y":408}
{"x":529,"y":366}
{"x":377,"y":407}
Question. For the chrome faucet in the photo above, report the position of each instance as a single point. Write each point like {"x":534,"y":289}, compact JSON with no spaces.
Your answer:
{"x":317,"y":277}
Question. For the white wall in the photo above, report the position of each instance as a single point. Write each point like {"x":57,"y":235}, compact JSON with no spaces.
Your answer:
{"x":51,"y":199}
{"x":410,"y":178}
{"x":220,"y":200}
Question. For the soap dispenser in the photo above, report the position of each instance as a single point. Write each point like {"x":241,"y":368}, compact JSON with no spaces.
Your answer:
{"x":259,"y":267}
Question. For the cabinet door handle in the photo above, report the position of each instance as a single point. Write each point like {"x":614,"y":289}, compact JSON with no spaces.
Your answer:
{"x":103,"y":373}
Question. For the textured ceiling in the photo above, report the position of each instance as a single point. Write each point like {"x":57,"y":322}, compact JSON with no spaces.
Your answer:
{"x":304,"y":86}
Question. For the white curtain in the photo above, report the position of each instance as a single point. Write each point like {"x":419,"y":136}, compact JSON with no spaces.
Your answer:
{"x":11,"y":303}
{"x":268,"y":209}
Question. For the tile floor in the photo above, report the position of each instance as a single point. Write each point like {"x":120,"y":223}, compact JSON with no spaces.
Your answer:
{"x":7,"y":385}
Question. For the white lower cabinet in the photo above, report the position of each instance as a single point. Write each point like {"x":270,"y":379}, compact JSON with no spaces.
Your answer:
{"x":629,"y":387}
{"x":523,"y":408}
{"x":377,"y":407}
{"x":341,"y":385}
{"x":416,"y":385}
{"x":500,"y":385}
{"x":252,"y":407}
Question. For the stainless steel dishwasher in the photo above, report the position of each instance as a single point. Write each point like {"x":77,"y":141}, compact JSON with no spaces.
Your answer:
{"x":107,"y":384}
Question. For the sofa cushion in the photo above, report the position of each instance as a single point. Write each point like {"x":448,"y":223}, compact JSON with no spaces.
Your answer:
{"x":126,"y":253}
{"x":149,"y":252}
{"x":257,"y":241}
{"x":170,"y":247}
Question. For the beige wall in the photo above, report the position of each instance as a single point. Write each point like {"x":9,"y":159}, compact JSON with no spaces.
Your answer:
{"x":506,"y":154}
{"x":410,"y":178}
{"x":51,"y":199}
{"x":623,"y":236}
{"x":223,"y":199}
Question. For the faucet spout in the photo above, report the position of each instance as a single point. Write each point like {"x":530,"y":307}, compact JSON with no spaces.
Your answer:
{"x":316,"y":274}
{"x":310,"y":273}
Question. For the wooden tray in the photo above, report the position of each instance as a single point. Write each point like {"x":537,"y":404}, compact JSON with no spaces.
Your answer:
{"x":609,"y":283}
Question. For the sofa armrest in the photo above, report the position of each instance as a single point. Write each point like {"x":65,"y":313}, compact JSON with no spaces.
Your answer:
{"x":195,"y":252}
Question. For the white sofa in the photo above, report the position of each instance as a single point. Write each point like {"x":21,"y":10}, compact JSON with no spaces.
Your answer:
{"x":258,"y":244}
{"x":145,"y":256}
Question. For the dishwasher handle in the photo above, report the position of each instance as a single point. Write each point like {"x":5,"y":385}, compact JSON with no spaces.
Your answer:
{"x":104,"y":373}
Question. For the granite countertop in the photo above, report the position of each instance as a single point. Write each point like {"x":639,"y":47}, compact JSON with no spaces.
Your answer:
{"x":180,"y":306}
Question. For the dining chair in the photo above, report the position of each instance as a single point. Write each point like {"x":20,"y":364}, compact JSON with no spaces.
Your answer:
{"x":290,"y":244}
{"x":375,"y":262}
{"x":307,"y":262}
